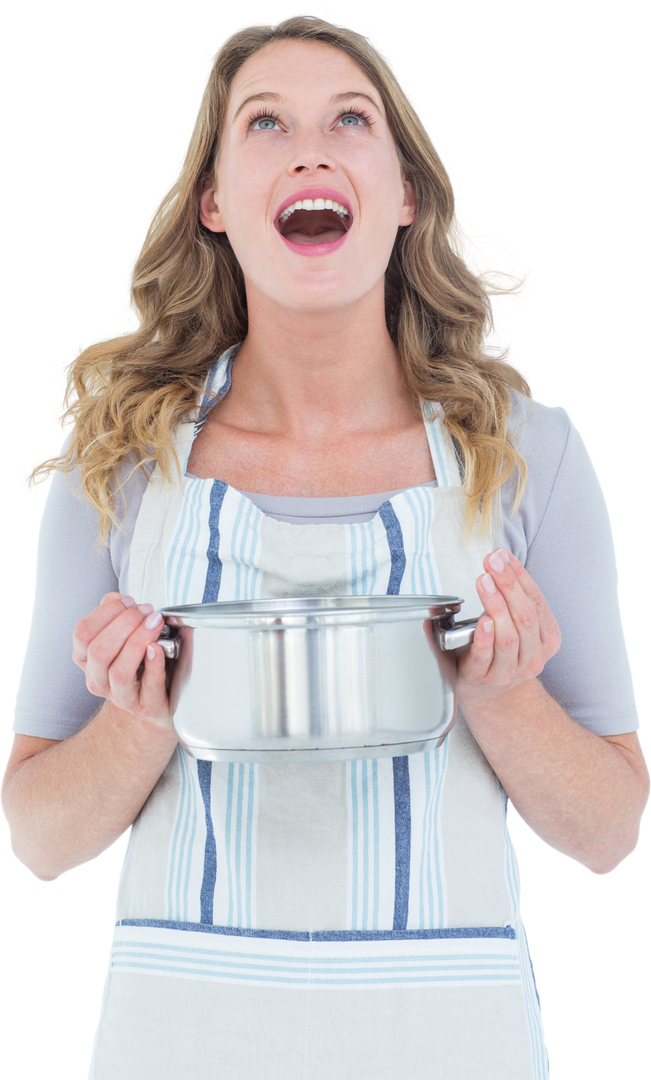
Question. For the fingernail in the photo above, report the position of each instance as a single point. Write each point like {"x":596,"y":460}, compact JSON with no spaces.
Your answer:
{"x":495,"y":562}
{"x":128,"y":601}
{"x":151,"y":652}
{"x":505,"y":555}
{"x":488,"y":584}
{"x":146,"y":608}
{"x":153,"y":620}
{"x":488,"y":626}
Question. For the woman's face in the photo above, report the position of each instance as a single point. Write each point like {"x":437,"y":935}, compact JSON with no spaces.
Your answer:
{"x":305,"y":123}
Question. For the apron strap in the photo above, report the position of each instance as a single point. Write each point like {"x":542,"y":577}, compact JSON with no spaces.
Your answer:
{"x":447,"y":462}
{"x":159,"y":510}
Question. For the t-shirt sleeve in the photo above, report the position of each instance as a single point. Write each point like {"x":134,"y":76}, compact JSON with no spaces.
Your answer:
{"x":563,"y":531}
{"x":72,"y":577}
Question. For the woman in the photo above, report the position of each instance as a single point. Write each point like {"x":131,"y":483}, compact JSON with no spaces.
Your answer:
{"x":289,"y":357}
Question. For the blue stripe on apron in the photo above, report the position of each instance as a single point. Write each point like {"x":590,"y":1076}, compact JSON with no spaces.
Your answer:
{"x":396,"y":547}
{"x":204,"y":768}
{"x":204,"y":771}
{"x":402,"y":810}
{"x":444,"y":933}
{"x":401,"y":795}
{"x":214,"y":575}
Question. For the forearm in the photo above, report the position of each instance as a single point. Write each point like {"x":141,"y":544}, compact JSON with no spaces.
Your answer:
{"x":70,"y":802}
{"x":581,"y":793}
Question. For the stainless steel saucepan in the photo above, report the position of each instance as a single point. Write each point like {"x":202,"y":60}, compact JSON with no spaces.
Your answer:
{"x":314,"y":679}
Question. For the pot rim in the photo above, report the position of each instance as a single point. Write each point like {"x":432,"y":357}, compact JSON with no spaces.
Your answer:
{"x":310,"y":611}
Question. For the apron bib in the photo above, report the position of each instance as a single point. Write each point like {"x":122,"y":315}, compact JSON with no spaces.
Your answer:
{"x":357,"y":920}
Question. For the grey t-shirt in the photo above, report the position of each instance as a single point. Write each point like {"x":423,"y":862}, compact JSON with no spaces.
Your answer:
{"x":560,"y":532}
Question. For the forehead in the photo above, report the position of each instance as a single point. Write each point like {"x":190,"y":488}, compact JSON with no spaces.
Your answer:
{"x":299,"y":68}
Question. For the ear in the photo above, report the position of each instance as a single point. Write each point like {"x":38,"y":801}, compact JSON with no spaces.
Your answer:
{"x":209,"y":211}
{"x":408,"y":214}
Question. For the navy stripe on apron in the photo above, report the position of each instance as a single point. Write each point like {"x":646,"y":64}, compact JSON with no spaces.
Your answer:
{"x":402,"y":811}
{"x":396,"y":547}
{"x":207,"y":896}
{"x":402,"y":804}
{"x":446,"y":932}
{"x":214,"y":575}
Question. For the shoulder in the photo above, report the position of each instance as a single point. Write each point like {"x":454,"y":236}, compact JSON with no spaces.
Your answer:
{"x":538,"y":430}
{"x":550,"y":431}
{"x":551,"y":446}
{"x":561,"y":471}
{"x":127,"y":486}
{"x":564,"y":482}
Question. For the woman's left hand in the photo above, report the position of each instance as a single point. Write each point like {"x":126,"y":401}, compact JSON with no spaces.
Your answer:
{"x":515,"y":637}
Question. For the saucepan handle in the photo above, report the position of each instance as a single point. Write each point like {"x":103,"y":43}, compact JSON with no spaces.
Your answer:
{"x":454,"y":635}
{"x":170,"y":642}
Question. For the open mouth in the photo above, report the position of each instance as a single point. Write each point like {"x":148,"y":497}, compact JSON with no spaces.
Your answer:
{"x":309,"y":222}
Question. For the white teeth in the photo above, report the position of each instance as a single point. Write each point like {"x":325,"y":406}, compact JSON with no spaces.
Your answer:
{"x":313,"y":204}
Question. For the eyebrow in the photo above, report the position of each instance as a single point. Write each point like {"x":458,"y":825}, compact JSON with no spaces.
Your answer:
{"x":336,"y":99}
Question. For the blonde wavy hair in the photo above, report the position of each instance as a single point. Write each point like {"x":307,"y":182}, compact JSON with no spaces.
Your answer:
{"x":126,"y":396}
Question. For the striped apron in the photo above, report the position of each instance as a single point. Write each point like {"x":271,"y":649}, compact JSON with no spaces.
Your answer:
{"x":306,"y":921}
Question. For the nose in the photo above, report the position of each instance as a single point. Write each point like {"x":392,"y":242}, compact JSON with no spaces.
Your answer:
{"x":310,"y":154}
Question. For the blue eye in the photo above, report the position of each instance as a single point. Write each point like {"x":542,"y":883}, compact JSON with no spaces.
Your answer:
{"x":355,"y":118}
{"x":265,"y":123}
{"x":262,"y":116}
{"x":347,"y":115}
{"x":259,"y":120}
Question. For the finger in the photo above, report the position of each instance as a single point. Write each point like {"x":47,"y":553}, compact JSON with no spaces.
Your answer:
{"x":124,"y":675}
{"x":527,"y":584}
{"x":527,"y":605}
{"x":514,"y":605}
{"x":154,"y":703}
{"x":506,"y":647}
{"x":499,"y":564}
{"x":110,"y":607}
{"x":128,"y":601}
{"x":549,"y":631}
{"x":476,"y":663}
{"x":143,"y":690}
{"x":107,"y":645}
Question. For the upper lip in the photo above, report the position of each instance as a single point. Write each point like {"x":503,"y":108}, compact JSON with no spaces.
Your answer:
{"x":314,"y":193}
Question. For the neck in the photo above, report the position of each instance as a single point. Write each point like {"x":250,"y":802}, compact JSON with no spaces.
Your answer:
{"x":314,"y":371}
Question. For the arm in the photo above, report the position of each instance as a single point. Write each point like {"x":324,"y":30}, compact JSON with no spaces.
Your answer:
{"x":68,"y":800}
{"x":582,"y":793}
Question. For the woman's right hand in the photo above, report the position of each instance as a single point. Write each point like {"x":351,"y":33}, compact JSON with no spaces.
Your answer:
{"x":114,"y":647}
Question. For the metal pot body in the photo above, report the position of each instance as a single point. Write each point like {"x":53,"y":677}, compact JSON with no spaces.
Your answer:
{"x":313,"y":679}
